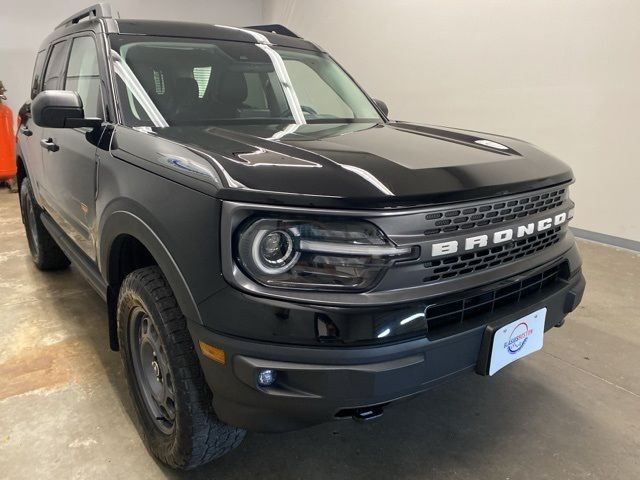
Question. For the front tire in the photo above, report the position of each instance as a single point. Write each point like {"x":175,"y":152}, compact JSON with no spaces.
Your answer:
{"x":45,"y":252}
{"x":167,"y":386}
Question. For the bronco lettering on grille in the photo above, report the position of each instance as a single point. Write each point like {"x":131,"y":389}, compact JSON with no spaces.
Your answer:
{"x":498,"y":237}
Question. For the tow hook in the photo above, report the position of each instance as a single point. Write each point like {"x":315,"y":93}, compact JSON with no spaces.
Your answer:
{"x":368,"y":413}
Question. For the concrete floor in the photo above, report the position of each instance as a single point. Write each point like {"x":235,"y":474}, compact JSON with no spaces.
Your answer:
{"x":569,"y":411}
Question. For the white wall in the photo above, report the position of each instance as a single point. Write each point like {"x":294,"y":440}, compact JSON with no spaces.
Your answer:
{"x":564,"y":75}
{"x":23,"y":25}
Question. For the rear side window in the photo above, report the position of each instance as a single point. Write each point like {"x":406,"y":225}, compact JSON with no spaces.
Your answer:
{"x":37,"y":73}
{"x":202,"y":76}
{"x":158,"y":81}
{"x":54,"y":66}
{"x":83,"y":75}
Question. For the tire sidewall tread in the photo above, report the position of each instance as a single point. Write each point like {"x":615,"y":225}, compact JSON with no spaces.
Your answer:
{"x":198,"y":436}
{"x":48,"y":255}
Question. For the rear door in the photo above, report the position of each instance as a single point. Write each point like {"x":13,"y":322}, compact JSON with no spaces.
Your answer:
{"x":28,"y":142}
{"x":29,"y":134}
{"x":70,"y":156}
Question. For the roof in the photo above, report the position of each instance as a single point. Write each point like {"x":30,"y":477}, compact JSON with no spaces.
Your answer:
{"x":98,"y":18}
{"x":209,"y":31}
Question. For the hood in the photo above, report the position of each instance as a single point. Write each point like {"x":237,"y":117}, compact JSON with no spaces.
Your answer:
{"x":365,"y":165}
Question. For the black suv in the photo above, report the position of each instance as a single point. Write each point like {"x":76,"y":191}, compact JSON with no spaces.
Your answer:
{"x":274,"y":252}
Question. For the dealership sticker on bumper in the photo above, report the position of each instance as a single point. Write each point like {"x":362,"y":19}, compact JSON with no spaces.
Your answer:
{"x":517,"y":339}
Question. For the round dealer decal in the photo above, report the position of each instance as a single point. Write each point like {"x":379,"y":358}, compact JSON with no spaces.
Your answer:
{"x":518,"y":337}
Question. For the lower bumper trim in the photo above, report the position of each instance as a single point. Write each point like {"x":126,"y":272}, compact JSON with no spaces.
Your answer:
{"x":317,"y":384}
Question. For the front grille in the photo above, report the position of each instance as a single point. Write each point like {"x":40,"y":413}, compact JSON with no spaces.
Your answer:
{"x":455,"y":266}
{"x":497,"y":211}
{"x":447,"y":313}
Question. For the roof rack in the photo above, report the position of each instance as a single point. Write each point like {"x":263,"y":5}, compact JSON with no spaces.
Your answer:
{"x":275,"y":28}
{"x":99,"y":10}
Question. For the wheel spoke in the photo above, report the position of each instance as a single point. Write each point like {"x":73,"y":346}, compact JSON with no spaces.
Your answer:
{"x":153,"y":333}
{"x":163,"y":362}
{"x":144,"y":325}
{"x":152,"y":370}
{"x":168,"y":408}
{"x":168,"y":381}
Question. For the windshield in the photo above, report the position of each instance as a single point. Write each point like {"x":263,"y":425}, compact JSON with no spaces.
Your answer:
{"x":167,"y":81}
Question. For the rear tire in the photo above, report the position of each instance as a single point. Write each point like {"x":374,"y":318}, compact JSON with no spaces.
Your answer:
{"x":166,"y":384}
{"x":45,"y":252}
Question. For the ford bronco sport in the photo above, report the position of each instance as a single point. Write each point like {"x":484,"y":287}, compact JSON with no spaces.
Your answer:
{"x":274,"y":252}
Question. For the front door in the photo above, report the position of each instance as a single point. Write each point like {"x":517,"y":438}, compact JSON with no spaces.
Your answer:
{"x":70,"y":154}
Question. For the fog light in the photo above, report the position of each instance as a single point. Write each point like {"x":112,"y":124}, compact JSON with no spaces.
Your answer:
{"x":266,"y":377}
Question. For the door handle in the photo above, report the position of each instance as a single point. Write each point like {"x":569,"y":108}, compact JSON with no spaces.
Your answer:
{"x":25,"y":131}
{"x":49,"y":144}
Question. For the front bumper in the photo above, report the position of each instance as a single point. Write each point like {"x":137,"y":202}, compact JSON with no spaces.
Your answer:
{"x":319,"y":383}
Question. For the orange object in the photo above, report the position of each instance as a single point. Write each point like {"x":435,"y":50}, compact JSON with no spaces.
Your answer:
{"x":7,"y":144}
{"x":214,"y":353}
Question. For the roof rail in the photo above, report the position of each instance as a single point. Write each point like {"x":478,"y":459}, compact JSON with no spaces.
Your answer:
{"x":99,"y":10}
{"x":275,"y":28}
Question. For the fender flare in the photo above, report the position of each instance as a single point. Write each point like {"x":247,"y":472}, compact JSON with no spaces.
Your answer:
{"x":34,"y":184}
{"x":20,"y":155}
{"x":126,"y":223}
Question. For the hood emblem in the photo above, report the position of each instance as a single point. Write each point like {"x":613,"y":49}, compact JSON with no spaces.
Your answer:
{"x":491,"y":144}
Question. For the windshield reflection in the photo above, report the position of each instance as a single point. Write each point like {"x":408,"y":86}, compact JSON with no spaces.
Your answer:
{"x":165,"y":82}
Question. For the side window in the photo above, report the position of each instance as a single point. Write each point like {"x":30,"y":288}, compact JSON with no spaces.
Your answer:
{"x":158,"y":81}
{"x":37,"y":73}
{"x":279,"y":98}
{"x":83,"y":75}
{"x":54,"y":66}
{"x":202,"y":76}
{"x":255,"y":92}
{"x":314,"y":92}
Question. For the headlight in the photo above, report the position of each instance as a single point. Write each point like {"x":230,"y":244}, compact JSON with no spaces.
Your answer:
{"x":326,"y":253}
{"x":568,"y":198}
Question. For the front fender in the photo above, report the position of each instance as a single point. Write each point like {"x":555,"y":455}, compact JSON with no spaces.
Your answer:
{"x":126,"y":223}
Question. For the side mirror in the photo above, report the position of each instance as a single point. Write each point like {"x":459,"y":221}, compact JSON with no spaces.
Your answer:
{"x":382,"y":106}
{"x":60,"y":109}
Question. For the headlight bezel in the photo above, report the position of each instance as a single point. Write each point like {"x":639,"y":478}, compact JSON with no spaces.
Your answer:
{"x":354,"y":263}
{"x":404,"y":282}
